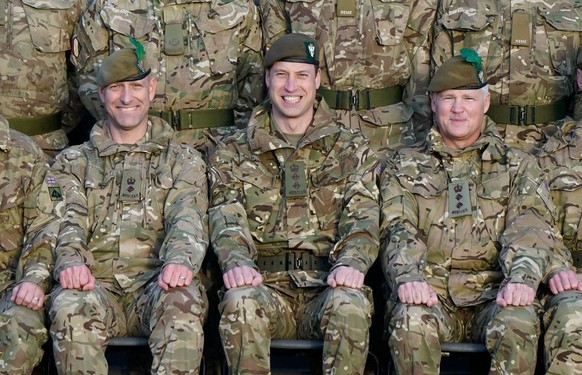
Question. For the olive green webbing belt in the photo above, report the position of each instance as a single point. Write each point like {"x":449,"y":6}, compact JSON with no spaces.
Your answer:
{"x":362,"y":99}
{"x":197,"y":118}
{"x":36,"y":126}
{"x":529,"y":114}
{"x":293,"y":260}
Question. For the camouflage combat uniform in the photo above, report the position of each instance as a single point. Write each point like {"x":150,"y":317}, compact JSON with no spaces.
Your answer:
{"x":561,"y":161}
{"x":206,"y":55}
{"x":293,"y":237}
{"x":374,"y":59}
{"x":35,"y":37}
{"x":28,"y":237}
{"x":130,"y":209}
{"x":531,"y":75}
{"x":466,"y":257}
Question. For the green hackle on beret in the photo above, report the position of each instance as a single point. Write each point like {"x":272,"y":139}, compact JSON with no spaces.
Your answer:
{"x":126,"y":64}
{"x":462,"y":72}
{"x":294,"y":47}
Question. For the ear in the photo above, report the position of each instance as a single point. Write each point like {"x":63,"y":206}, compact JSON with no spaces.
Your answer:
{"x":152,"y":87}
{"x":487,"y":101}
{"x":267,"y":77}
{"x":101,"y":91}
{"x":317,"y":77}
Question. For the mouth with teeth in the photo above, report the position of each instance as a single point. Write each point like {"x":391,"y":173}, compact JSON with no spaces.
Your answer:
{"x":291,"y":99}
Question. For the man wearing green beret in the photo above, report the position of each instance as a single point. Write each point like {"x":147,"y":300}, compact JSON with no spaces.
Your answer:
{"x":134,"y":233}
{"x":294,"y":222}
{"x":466,"y":234}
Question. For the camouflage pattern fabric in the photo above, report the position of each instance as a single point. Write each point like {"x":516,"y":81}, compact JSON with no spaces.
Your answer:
{"x":126,"y":243}
{"x":34,"y":39}
{"x":378,"y":44}
{"x":206,"y":54}
{"x":423,"y":329}
{"x":465,"y":259}
{"x":340,"y":316}
{"x":337,"y":219}
{"x":28,"y":227}
{"x":561,"y":161}
{"x":538,"y":69}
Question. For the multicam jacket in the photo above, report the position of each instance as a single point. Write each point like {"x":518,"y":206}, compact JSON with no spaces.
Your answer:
{"x":206,"y":54}
{"x":27,"y":217}
{"x":365,"y":45}
{"x":505,"y":237}
{"x":561,"y":162}
{"x":34,"y":39}
{"x":251,"y":215}
{"x":130,"y":209}
{"x":522,"y":68}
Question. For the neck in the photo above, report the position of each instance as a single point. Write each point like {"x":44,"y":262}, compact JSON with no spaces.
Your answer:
{"x":288,"y":125}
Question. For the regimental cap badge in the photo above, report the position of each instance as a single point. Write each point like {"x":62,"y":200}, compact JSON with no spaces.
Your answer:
{"x":294,"y":47}
{"x":461,"y":72}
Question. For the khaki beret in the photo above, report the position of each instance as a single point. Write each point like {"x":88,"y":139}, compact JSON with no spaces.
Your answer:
{"x":122,"y":65}
{"x":294,"y":47}
{"x":462,"y":72}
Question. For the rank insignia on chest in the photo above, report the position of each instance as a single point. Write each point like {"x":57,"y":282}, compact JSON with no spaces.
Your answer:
{"x":130,"y":186}
{"x":295,"y":179}
{"x":459,"y":198}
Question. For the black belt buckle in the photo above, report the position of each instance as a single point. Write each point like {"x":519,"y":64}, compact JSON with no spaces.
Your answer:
{"x":297,"y":261}
{"x":520,"y":115}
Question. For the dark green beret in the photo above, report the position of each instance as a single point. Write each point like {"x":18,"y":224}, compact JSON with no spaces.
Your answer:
{"x":122,"y":65}
{"x":293,"y":47}
{"x":462,"y":72}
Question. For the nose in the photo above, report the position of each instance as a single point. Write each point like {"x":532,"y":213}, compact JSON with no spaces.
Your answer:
{"x":457,"y":106}
{"x":125,"y":96}
{"x":291,"y":84}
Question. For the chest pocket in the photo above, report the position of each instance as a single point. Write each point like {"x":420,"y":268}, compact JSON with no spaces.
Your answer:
{"x":101,"y":197}
{"x":51,"y":23}
{"x":391,"y":19}
{"x":563,"y":27}
{"x":466,"y":15}
{"x":429,"y":187}
{"x":220,"y":37}
{"x":261,"y":192}
{"x":329,"y":186}
{"x":492,"y":199}
{"x":304,"y":15}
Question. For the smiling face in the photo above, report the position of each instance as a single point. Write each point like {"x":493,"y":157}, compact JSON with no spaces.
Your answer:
{"x":292,"y":89}
{"x":127,"y":103}
{"x":459,"y":115}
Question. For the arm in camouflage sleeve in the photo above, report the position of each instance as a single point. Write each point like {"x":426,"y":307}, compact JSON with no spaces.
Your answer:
{"x":185,"y":218}
{"x":358,"y":227}
{"x":529,"y":237}
{"x":72,"y":248}
{"x":249,"y":73}
{"x":229,"y":228}
{"x":402,"y":250}
{"x":274,"y":21}
{"x":41,"y":228}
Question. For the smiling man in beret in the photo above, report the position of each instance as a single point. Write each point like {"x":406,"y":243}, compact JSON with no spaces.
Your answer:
{"x":466,"y":234}
{"x":134,"y":233}
{"x":294,"y":222}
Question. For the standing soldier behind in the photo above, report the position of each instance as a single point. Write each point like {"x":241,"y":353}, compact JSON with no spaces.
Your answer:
{"x":374,"y":60}
{"x":28,"y":226}
{"x":561,"y":161}
{"x":133,"y":235}
{"x":206,"y":55}
{"x":530,"y":48}
{"x":35,"y":37}
{"x":294,"y":222}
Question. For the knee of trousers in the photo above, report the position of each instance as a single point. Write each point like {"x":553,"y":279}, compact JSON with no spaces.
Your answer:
{"x":185,"y":301}
{"x":244,"y":298}
{"x":350,"y":303}
{"x":73,"y":308}
{"x":516,"y":321}
{"x":413,"y":319}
